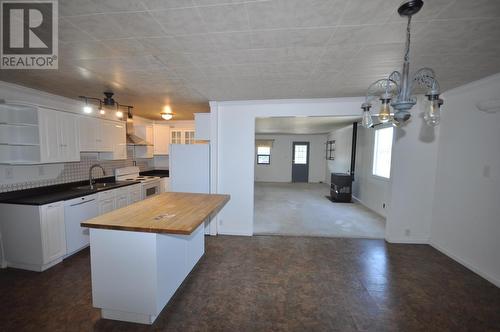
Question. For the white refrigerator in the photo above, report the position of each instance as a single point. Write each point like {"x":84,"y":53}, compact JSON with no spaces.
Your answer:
{"x":189,"y":168}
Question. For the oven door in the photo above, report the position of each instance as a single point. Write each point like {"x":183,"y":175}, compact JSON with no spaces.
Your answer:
{"x":150,"y":189}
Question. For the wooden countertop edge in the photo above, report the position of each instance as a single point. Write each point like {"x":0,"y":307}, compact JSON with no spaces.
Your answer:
{"x":159,"y":230}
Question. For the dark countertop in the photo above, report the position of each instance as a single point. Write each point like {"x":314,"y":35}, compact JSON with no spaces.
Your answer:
{"x":163,"y":173}
{"x":61,"y":192}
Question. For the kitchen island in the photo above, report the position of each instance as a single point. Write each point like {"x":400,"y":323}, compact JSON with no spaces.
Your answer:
{"x":142,"y":253}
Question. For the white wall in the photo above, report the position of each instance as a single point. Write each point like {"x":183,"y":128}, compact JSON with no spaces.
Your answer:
{"x":343,"y":147}
{"x":466,"y":211}
{"x":369,"y":190}
{"x":280,"y":169}
{"x":233,"y":149}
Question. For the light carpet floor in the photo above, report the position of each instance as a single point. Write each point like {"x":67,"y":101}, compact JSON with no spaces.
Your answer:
{"x":302,"y":209}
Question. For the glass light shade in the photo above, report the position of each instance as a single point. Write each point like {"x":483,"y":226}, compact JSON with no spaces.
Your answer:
{"x":366,"y":120}
{"x":119,"y":114}
{"x":102,"y":112}
{"x":432,"y":114}
{"x":167,"y":116}
{"x":87,"y":109}
{"x":385,"y":112}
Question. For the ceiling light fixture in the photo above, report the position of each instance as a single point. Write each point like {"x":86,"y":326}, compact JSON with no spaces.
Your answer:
{"x":108,"y":102}
{"x":396,"y":90}
{"x":167,"y":113}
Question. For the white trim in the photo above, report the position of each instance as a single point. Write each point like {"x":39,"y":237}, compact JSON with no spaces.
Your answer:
{"x":407,"y":240}
{"x":469,"y":266}
{"x":235,"y":233}
{"x":289,"y":101}
{"x":369,"y":208}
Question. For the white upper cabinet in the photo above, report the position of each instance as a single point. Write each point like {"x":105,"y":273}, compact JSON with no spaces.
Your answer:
{"x":58,"y":136}
{"x":89,"y":133}
{"x":107,"y":136}
{"x":202,"y":126}
{"x":161,"y":139}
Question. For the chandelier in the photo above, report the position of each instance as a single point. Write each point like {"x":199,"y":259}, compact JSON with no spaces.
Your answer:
{"x":396,"y":90}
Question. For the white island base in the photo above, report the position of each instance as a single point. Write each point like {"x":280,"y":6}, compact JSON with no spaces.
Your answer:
{"x":134,"y":274}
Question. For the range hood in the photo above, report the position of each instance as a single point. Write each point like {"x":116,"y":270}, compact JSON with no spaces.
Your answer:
{"x":132,"y":138}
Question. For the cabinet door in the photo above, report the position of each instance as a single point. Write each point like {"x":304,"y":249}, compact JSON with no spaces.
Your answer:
{"x":121,"y":201}
{"x":89,"y":134}
{"x":135,"y":194}
{"x":69,"y":137}
{"x":53,"y":231}
{"x":161,"y":139}
{"x":119,"y":142}
{"x":189,"y":137}
{"x":107,"y":129}
{"x":106,"y":205}
{"x":176,"y":136}
{"x":50,"y":140}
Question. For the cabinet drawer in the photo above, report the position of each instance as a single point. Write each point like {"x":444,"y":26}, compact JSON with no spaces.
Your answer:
{"x":107,"y":194}
{"x":121,"y":191}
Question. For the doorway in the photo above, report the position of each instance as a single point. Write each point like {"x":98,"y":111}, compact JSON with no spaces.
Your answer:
{"x":300,"y":162}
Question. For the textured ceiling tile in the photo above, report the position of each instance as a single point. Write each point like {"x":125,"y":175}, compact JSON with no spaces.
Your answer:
{"x":85,"y":7}
{"x":174,"y":59}
{"x":84,"y":50}
{"x":472,"y":9}
{"x":369,"y":12}
{"x":369,"y":34}
{"x":126,"y":46}
{"x":225,"y":17}
{"x":295,"y":54}
{"x":313,"y":37}
{"x":158,"y":45}
{"x":165,"y":4}
{"x":120,"y":25}
{"x":69,"y":33}
{"x":231,"y":40}
{"x":194,"y":43}
{"x":180,"y":21}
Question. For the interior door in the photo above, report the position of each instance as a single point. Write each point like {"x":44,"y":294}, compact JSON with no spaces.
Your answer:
{"x":300,"y":162}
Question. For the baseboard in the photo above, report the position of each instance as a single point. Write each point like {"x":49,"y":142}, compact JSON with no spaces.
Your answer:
{"x":406,"y":240}
{"x":234,"y":233}
{"x":471,"y":267}
{"x":366,"y":206}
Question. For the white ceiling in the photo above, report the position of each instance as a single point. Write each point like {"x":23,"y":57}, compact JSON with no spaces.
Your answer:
{"x":187,"y":52}
{"x":301,"y":125}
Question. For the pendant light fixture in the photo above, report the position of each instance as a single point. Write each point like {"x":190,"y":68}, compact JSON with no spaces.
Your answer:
{"x":106,"y":102}
{"x":167,"y":113}
{"x":396,"y":90}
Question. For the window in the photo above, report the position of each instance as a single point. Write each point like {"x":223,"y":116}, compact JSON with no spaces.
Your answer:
{"x":300,"y":154}
{"x":189,"y":137}
{"x":382,"y":150}
{"x":263,"y":155}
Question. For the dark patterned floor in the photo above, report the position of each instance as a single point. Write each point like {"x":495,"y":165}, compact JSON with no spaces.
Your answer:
{"x":275,"y":284}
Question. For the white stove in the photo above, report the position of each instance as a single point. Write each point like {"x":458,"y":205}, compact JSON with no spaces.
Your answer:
{"x":151,"y":185}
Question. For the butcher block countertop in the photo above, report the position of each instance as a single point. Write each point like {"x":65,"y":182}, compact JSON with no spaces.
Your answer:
{"x":171,"y":213}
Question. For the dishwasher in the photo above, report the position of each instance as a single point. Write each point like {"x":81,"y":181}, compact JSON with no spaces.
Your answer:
{"x":76,"y":211}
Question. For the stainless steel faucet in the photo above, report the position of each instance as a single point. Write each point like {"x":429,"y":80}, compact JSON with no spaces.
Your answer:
{"x":91,"y":180}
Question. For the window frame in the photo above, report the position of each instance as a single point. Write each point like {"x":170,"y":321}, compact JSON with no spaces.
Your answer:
{"x":374,"y":152}
{"x":264,"y":155}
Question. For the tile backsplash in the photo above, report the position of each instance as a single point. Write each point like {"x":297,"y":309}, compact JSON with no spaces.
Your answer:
{"x":77,"y":171}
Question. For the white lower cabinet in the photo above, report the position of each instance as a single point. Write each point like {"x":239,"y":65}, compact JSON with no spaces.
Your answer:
{"x":134,"y":193}
{"x":165,"y":184}
{"x":33,"y":236}
{"x":53,"y":231}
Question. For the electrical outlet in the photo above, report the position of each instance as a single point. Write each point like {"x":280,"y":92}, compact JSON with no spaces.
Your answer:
{"x":9,"y":173}
{"x":41,"y":171}
{"x":407,"y":232}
